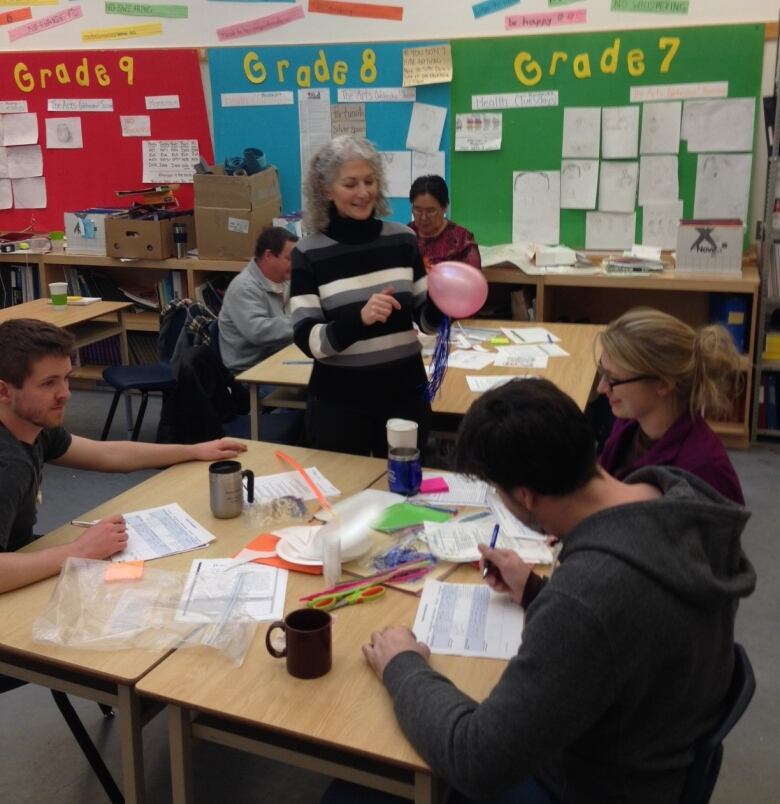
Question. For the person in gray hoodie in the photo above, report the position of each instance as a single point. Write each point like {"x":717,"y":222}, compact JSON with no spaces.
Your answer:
{"x":627,"y":651}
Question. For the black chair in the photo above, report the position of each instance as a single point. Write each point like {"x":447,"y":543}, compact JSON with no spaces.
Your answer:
{"x":146,"y":378}
{"x":80,"y":734}
{"x":703,"y":773}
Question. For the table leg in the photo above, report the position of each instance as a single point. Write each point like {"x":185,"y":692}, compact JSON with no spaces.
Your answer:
{"x":180,"y":736}
{"x":255,"y":409}
{"x":131,"y":742}
{"x":429,"y":789}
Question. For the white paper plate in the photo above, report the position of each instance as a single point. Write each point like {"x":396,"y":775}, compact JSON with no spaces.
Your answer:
{"x":282,"y":552}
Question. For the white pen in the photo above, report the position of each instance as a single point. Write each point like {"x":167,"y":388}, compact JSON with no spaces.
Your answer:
{"x":84,"y":523}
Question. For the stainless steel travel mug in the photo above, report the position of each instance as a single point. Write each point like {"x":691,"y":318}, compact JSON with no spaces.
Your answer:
{"x":226,"y":488}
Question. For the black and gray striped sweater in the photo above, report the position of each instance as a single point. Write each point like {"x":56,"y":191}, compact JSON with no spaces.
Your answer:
{"x":334,"y":273}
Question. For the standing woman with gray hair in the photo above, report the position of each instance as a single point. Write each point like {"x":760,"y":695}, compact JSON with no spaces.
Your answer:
{"x":358,"y":287}
{"x":661,"y":378}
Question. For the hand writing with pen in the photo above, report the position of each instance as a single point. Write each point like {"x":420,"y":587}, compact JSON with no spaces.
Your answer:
{"x":506,"y":571}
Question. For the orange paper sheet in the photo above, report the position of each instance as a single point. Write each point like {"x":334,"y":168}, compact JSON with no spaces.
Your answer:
{"x":267,"y":541}
{"x":348,"y":9}
{"x":125,"y":571}
{"x":17,"y":15}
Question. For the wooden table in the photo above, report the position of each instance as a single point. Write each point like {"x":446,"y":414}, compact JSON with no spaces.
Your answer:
{"x":342,"y":724}
{"x":575,"y":374}
{"x":89,"y":323}
{"x":110,"y":677}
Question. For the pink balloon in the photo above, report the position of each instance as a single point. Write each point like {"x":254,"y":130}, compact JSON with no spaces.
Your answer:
{"x":457,"y":288}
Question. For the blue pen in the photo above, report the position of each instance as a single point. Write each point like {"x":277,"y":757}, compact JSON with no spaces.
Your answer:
{"x":493,"y":539}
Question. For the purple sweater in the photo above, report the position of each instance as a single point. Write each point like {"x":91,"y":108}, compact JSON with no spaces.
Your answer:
{"x":688,"y":444}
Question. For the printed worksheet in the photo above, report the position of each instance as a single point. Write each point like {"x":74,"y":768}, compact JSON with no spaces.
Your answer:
{"x":468,"y":620}
{"x":481,"y":384}
{"x":463,"y":359}
{"x":216,"y":592}
{"x":313,"y":121}
{"x":162,"y":531}
{"x":291,"y":484}
{"x":462,"y":491}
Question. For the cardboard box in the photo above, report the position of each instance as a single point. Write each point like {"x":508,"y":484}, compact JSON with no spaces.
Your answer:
{"x":709,"y":246}
{"x":151,"y":240}
{"x":231,"y":211}
{"x":86,"y":230}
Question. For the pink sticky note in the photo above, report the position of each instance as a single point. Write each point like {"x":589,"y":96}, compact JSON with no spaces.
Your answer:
{"x":433,"y":485}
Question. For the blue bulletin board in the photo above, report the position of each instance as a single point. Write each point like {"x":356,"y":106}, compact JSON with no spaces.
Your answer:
{"x":275,"y":128}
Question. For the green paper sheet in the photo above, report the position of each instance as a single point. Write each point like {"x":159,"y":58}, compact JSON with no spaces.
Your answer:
{"x":404,"y":515}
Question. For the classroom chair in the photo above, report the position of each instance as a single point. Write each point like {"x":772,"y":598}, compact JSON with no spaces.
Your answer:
{"x":80,"y":735}
{"x":146,"y":378}
{"x":703,"y":773}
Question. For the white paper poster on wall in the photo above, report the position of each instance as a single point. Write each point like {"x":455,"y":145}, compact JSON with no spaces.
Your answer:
{"x":660,"y":220}
{"x":478,"y":131}
{"x":398,"y":172}
{"x":581,"y":132}
{"x":20,"y":129}
{"x":29,"y":193}
{"x":579,"y":183}
{"x":719,"y":125}
{"x":722,"y":186}
{"x":617,"y":186}
{"x":609,"y":230}
{"x":24,"y":161}
{"x":313,"y":122}
{"x":619,"y":132}
{"x":658,"y":179}
{"x":427,"y":164}
{"x":536,"y":206}
{"x":64,"y":132}
{"x":661,"y":128}
{"x":167,"y":161}
{"x":425,"y":128}
{"x":6,"y":196}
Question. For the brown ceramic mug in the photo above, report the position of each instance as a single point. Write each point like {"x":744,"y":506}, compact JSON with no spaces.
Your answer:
{"x":307,"y":642}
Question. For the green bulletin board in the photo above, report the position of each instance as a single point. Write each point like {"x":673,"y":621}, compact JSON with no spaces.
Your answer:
{"x":532,"y":137}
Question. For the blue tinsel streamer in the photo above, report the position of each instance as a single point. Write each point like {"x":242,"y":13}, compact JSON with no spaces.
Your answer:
{"x":439,"y":359}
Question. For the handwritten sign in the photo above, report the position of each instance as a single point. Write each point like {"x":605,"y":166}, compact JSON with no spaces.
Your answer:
{"x":651,"y":6}
{"x":162,"y":102}
{"x":356,"y":10}
{"x":80,"y":105}
{"x":147,"y":10}
{"x":707,"y":89}
{"x":427,"y":65}
{"x":546,"y":19}
{"x":130,"y":32}
{"x":348,"y":118}
{"x":515,"y":100}
{"x":265,"y":23}
{"x":45,"y":23}
{"x":378,"y":95}
{"x":278,"y":98}
{"x":490,"y":7}
{"x":13,"y":106}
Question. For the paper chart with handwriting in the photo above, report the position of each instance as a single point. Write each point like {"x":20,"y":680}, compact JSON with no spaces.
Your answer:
{"x":468,"y":620}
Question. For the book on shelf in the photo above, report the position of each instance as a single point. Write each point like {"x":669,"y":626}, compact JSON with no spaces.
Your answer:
{"x":772,"y":422}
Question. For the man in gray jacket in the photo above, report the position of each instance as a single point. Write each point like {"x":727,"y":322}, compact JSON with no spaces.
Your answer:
{"x":627,"y":651}
{"x":253,"y":321}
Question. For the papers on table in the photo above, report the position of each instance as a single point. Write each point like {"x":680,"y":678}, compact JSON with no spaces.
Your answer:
{"x":470,"y":360}
{"x":462,"y":491}
{"x":248,"y":592}
{"x":468,"y":620}
{"x":457,"y":541}
{"x":480,"y":384}
{"x":291,"y":484}
{"x":530,"y":335}
{"x":511,"y":526}
{"x":520,"y":357}
{"x":163,"y":531}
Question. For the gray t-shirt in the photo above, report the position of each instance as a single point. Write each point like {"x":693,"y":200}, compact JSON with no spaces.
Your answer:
{"x":21,"y":467}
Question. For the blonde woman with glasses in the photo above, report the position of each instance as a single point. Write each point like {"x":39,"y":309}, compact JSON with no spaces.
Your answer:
{"x":662,"y":378}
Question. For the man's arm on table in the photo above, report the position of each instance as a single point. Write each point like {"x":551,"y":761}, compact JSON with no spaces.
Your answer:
{"x":557,"y":686}
{"x":101,"y":541}
{"x":127,"y":456}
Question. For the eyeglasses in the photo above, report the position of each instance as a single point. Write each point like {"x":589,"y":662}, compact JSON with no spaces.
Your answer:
{"x":431,"y":212}
{"x":612,"y":383}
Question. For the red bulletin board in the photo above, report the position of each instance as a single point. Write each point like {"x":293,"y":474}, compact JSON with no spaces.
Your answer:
{"x":89,"y":177}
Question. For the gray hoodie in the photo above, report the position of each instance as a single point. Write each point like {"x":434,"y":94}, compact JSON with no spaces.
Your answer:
{"x":626,"y":657}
